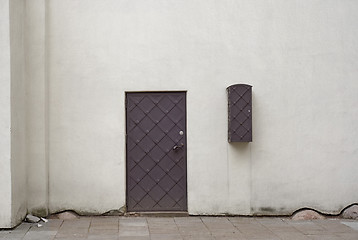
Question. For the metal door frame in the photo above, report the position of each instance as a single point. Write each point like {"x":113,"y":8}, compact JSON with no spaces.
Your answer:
{"x":185,"y":146}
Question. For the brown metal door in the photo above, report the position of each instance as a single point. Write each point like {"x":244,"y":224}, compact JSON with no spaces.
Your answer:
{"x":156,"y":151}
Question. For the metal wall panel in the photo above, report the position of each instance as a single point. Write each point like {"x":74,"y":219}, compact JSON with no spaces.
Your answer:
{"x":156,"y":151}
{"x":240,"y":113}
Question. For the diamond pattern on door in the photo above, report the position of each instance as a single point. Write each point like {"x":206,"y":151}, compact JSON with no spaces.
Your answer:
{"x":156,"y":151}
{"x":240,"y":116}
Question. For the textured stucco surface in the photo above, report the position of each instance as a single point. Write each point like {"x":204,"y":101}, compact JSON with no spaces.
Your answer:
{"x":301,"y":57}
{"x":18,"y":117}
{"x":36,"y":107}
{"x":13,"y":184}
{"x":5,"y":169}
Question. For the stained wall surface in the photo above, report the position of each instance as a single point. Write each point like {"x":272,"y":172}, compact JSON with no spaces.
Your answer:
{"x":18,"y":112}
{"x":36,"y":107}
{"x":300,"y":57}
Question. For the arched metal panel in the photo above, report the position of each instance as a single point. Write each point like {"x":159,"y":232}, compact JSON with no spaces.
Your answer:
{"x":240,"y":113}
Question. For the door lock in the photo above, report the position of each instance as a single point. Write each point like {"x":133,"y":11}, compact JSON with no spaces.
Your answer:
{"x":176,"y":147}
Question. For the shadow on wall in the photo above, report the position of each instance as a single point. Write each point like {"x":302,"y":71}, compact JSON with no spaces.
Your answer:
{"x":240,"y":146}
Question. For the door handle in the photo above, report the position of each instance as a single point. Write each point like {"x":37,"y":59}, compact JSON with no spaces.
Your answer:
{"x":176,"y":147}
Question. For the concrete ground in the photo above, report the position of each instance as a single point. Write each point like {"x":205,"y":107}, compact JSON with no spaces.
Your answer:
{"x":173,"y":228}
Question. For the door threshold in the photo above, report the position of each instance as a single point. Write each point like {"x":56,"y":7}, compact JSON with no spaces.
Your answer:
{"x":158,"y":214}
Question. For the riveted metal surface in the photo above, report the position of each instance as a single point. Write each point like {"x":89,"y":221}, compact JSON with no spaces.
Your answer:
{"x":156,"y":151}
{"x":240,"y":113}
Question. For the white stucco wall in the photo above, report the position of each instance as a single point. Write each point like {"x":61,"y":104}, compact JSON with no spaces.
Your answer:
{"x":18,"y":110}
{"x":305,"y":152}
{"x":5,"y":120}
{"x":13,"y":201}
{"x":36,"y":107}
{"x":81,"y":56}
{"x":301,"y":58}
